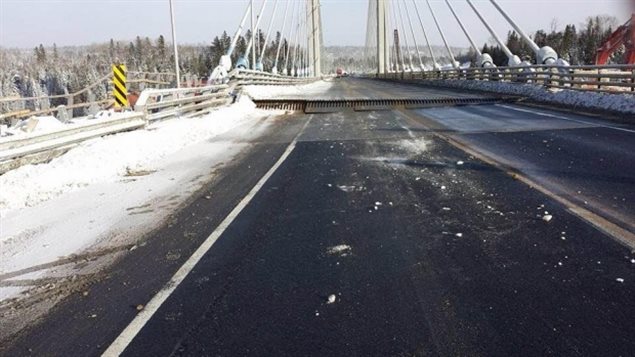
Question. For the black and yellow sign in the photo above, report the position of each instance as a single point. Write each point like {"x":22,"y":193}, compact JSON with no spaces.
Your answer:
{"x":119,"y":81}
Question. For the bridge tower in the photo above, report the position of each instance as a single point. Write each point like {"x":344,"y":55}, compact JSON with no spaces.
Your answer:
{"x":315,"y":37}
{"x":383,"y":55}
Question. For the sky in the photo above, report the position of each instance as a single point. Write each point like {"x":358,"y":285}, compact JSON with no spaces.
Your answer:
{"x":27,"y":23}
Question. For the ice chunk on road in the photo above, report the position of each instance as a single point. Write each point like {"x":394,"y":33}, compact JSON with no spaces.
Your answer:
{"x":547,"y":217}
{"x":342,"y":250}
{"x":331,"y":299}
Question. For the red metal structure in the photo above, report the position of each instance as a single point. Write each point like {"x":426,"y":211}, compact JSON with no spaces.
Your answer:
{"x":624,"y":35}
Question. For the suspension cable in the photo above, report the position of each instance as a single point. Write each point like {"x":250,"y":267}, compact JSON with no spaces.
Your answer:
{"x":425,"y":35}
{"x":405,"y":36}
{"x":510,"y":56}
{"x":305,"y":37}
{"x":239,"y":31}
{"x":295,"y":44}
{"x":264,"y":47}
{"x":412,"y":31}
{"x":253,"y":35}
{"x":467,"y":34}
{"x":284,"y":24}
{"x":445,"y":41}
{"x":289,"y":40}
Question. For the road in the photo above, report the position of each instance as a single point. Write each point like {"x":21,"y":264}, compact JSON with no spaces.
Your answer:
{"x":586,"y":160}
{"x":375,"y":236}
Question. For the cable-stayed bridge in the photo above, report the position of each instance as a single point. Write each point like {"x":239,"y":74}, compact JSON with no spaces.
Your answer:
{"x":418,"y":207}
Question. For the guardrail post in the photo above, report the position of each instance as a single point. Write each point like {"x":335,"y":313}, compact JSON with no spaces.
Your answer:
{"x":69,"y":103}
{"x":633,"y":80}
{"x":62,"y":113}
{"x":599,"y":80}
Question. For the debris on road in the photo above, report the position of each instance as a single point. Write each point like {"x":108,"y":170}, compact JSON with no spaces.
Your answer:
{"x":332,"y":299}
{"x":342,"y":250}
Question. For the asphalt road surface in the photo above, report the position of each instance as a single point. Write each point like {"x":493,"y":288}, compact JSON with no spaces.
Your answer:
{"x":374,"y":236}
{"x":586,"y":160}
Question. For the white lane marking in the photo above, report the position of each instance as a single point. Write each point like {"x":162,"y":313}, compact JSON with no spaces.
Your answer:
{"x":130,"y":332}
{"x":564,"y":118}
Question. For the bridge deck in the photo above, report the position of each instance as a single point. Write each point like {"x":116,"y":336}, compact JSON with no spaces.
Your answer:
{"x":377,"y":237}
{"x":368,"y":89}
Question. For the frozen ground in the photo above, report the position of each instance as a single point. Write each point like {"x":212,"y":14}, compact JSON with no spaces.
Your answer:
{"x":621,"y":103}
{"x":266,"y":92}
{"x":104,"y":194}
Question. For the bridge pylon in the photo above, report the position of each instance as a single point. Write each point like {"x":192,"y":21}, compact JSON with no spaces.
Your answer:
{"x":315,"y":38}
{"x":383,"y":55}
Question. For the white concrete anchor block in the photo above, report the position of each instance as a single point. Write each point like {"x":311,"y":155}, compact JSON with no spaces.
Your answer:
{"x":62,"y":113}
{"x":31,"y":124}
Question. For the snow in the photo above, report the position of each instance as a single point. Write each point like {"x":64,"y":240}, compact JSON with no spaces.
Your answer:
{"x":621,"y":103}
{"x":108,"y":192}
{"x":547,"y":218}
{"x":346,"y":188}
{"x":48,"y":124}
{"x":109,"y":158}
{"x":342,"y":249}
{"x":314,"y":89}
{"x":620,"y":280}
{"x":331,"y":299}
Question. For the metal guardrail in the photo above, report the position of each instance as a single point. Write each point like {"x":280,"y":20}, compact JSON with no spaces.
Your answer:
{"x":158,"y":104}
{"x":608,"y":79}
{"x":28,"y":149}
{"x":136,"y":79}
{"x":242,"y":77}
{"x":152,"y":105}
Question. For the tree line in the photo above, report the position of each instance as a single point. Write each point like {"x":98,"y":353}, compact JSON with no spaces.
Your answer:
{"x":577,"y":46}
{"x":47,"y":71}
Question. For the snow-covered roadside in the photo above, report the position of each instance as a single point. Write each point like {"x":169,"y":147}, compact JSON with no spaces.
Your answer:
{"x":48,"y":124}
{"x":622,"y":103}
{"x":314,"y":89}
{"x":107,"y":192}
{"x":109,"y":158}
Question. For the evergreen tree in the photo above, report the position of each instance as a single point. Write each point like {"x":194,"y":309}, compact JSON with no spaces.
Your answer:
{"x":40,"y":54}
{"x":111,"y":50}
{"x":161,"y":48}
{"x":138,"y":53}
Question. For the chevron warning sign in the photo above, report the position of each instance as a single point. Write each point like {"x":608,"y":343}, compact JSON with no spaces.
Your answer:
{"x":119,"y":83}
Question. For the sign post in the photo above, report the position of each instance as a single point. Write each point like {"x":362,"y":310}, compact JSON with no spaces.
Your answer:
{"x":119,"y":85}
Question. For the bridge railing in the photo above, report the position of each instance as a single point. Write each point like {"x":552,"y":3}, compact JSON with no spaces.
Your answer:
{"x":159,"y":104}
{"x":151,"y":105}
{"x":23,"y":107}
{"x":608,"y":78}
{"x":249,"y":77}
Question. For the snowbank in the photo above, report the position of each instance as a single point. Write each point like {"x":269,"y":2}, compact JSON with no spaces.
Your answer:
{"x":47,"y":124}
{"x":42,"y":124}
{"x":621,"y":103}
{"x":267,"y":92}
{"x":109,"y":158}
